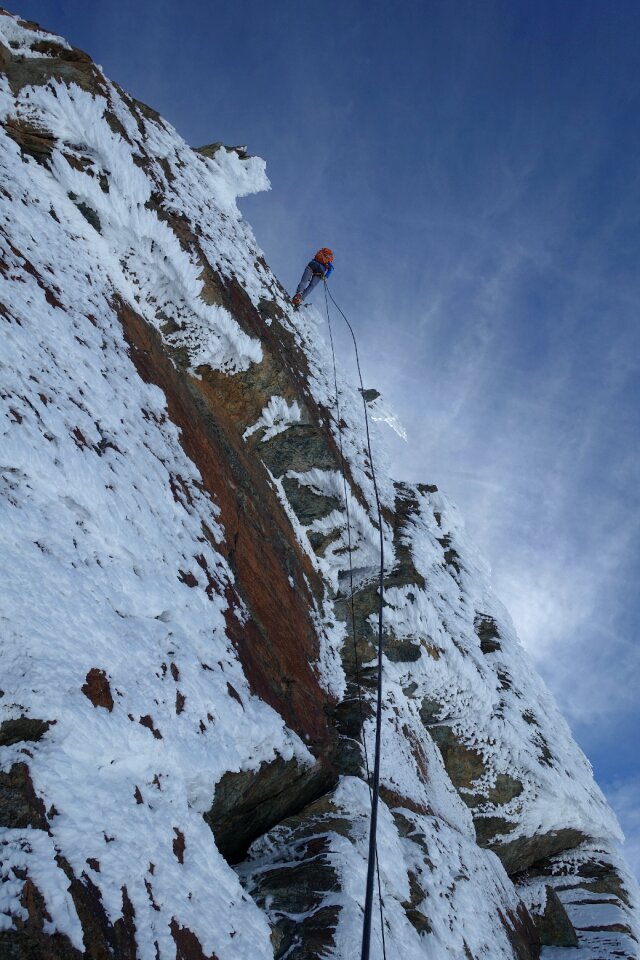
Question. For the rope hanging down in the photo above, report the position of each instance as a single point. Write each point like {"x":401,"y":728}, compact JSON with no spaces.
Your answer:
{"x":372,"y":864}
{"x":349,"y":547}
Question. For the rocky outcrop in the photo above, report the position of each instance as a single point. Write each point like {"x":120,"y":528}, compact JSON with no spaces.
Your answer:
{"x":192,"y":592}
{"x":581,"y":898}
{"x":246,"y":805}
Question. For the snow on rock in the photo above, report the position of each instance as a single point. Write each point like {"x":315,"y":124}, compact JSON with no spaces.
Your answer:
{"x":103,"y":564}
{"x":189,"y":597}
{"x":491,"y":700}
{"x":25,"y":38}
{"x":381,"y":412}
{"x":275,"y":418}
{"x":233,"y":177}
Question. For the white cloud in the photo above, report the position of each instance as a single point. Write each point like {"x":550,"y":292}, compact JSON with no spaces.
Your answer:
{"x":624,"y":797}
{"x":567,"y":615}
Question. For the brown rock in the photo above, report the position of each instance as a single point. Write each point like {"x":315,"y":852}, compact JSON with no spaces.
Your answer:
{"x":188,"y":947}
{"x":102,"y":938}
{"x":147,"y":721}
{"x":96,"y":688}
{"x":38,"y":71}
{"x":53,"y":49}
{"x":278,"y":643}
{"x":33,"y":141}
{"x":307,"y":505}
{"x":504,"y":790}
{"x":5,"y":58}
{"x":28,"y":941}
{"x":522,"y":933}
{"x":178,"y":845}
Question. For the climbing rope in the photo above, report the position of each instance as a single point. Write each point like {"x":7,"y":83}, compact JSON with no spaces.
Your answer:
{"x":374,"y":784}
{"x":349,"y":546}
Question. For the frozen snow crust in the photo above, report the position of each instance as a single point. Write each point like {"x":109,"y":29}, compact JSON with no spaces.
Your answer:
{"x":177,"y":646}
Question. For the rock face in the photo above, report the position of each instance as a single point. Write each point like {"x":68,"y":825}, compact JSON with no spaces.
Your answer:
{"x":190,"y":622}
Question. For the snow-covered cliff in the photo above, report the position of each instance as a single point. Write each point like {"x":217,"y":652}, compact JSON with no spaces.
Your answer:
{"x":181,"y":748}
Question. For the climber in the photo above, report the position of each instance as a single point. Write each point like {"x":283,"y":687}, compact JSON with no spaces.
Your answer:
{"x":320,"y":268}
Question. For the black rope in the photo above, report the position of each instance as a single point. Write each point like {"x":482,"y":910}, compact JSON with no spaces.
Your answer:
{"x":349,"y":545}
{"x":372,"y":864}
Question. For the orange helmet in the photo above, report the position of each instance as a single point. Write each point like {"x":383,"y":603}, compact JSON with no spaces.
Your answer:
{"x":324,"y":256}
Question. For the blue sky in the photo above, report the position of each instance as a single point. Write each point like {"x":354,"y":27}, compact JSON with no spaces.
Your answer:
{"x":474,"y":165}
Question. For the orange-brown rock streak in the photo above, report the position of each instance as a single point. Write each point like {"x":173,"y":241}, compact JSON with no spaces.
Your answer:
{"x":278,"y":644}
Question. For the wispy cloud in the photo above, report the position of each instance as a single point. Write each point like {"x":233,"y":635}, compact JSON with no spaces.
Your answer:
{"x":624,"y":797}
{"x":518,"y":381}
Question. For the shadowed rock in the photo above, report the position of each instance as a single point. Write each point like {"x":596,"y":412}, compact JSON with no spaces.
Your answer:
{"x":519,"y":854}
{"x":297,"y":889}
{"x":23,"y":729}
{"x":249,"y":803}
{"x":554,"y":927}
{"x":487,"y":631}
{"x":19,"y":805}
{"x":307,"y":505}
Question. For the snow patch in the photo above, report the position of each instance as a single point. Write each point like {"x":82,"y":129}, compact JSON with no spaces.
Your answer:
{"x":276,"y":417}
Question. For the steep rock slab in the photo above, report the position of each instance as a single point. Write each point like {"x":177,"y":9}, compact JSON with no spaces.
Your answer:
{"x":308,"y":875}
{"x":502,"y":739}
{"x":278,"y":644}
{"x":123,"y":605}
